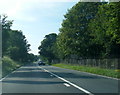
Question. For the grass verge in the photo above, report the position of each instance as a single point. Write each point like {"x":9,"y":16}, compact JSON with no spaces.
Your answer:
{"x":94,"y":70}
{"x":9,"y":65}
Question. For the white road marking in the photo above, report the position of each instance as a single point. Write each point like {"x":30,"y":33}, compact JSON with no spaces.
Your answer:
{"x":80,"y":88}
{"x":51,"y":75}
{"x":9,"y":74}
{"x":13,"y":72}
{"x":45,"y":70}
{"x":66,"y":84}
{"x":92,"y":74}
{"x":4,"y":78}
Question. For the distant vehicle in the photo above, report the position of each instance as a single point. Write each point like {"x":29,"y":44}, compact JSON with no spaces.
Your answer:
{"x":41,"y":63}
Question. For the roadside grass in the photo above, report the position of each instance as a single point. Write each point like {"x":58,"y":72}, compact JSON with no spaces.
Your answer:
{"x":9,"y":65}
{"x":94,"y":70}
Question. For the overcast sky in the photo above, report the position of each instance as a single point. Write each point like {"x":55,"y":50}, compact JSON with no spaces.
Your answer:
{"x":36,"y":18}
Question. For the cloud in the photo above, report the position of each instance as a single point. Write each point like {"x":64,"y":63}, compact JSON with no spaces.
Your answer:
{"x":17,"y":9}
{"x":9,"y":7}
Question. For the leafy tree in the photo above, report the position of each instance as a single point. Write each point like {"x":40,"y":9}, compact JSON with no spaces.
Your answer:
{"x":89,"y":30}
{"x":74,"y":35}
{"x":18,"y":46}
{"x":6,"y":24}
{"x":32,"y":57}
{"x":105,"y":29}
{"x":14,"y":43}
{"x":47,"y":47}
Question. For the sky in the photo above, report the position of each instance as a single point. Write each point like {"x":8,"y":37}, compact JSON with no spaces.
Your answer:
{"x":36,"y":18}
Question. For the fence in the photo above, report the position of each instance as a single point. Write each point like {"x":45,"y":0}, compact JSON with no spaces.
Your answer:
{"x":102,"y":63}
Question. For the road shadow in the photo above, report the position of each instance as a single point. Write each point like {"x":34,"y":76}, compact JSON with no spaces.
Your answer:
{"x":30,"y":74}
{"x":81,"y":76}
{"x":35,"y":72}
{"x":32,"y":82}
{"x":28,"y":68}
{"x":43,"y":74}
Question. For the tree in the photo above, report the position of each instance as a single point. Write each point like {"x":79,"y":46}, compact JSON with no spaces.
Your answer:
{"x":47,"y":47}
{"x":105,"y":29}
{"x":74,"y":35}
{"x":18,"y":46}
{"x":32,"y":57}
{"x":14,"y":43}
{"x":6,"y":24}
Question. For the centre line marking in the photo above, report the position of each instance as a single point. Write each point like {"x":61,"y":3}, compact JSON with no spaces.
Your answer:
{"x":80,"y":88}
{"x":66,"y":84}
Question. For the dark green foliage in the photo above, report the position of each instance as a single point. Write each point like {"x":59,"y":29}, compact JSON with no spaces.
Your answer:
{"x":18,"y":46}
{"x":89,"y":30}
{"x":14,"y":43}
{"x":6,"y":24}
{"x":105,"y":30}
{"x":47,"y":47}
{"x":31,"y":57}
{"x":74,"y":35}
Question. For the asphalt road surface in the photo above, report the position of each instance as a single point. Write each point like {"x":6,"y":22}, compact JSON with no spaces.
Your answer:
{"x":48,"y":79}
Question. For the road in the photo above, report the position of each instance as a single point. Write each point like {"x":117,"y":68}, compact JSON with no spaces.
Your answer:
{"x":49,"y":79}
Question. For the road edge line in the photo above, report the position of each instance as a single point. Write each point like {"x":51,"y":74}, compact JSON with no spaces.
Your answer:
{"x":90,"y":73}
{"x":9,"y":74}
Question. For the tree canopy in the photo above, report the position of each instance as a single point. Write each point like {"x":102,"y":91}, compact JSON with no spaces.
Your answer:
{"x":47,"y":47}
{"x":89,"y":30}
{"x":74,"y":35}
{"x":14,"y":43}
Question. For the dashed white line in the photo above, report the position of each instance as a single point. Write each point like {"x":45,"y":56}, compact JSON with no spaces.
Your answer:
{"x":66,"y":84}
{"x":45,"y":70}
{"x":74,"y":85}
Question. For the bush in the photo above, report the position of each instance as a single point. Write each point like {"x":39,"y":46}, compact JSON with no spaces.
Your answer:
{"x":8,"y":65}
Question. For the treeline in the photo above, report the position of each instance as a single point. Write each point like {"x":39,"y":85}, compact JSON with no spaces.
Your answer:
{"x":89,"y":30}
{"x":15,"y":47}
{"x":14,"y":43}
